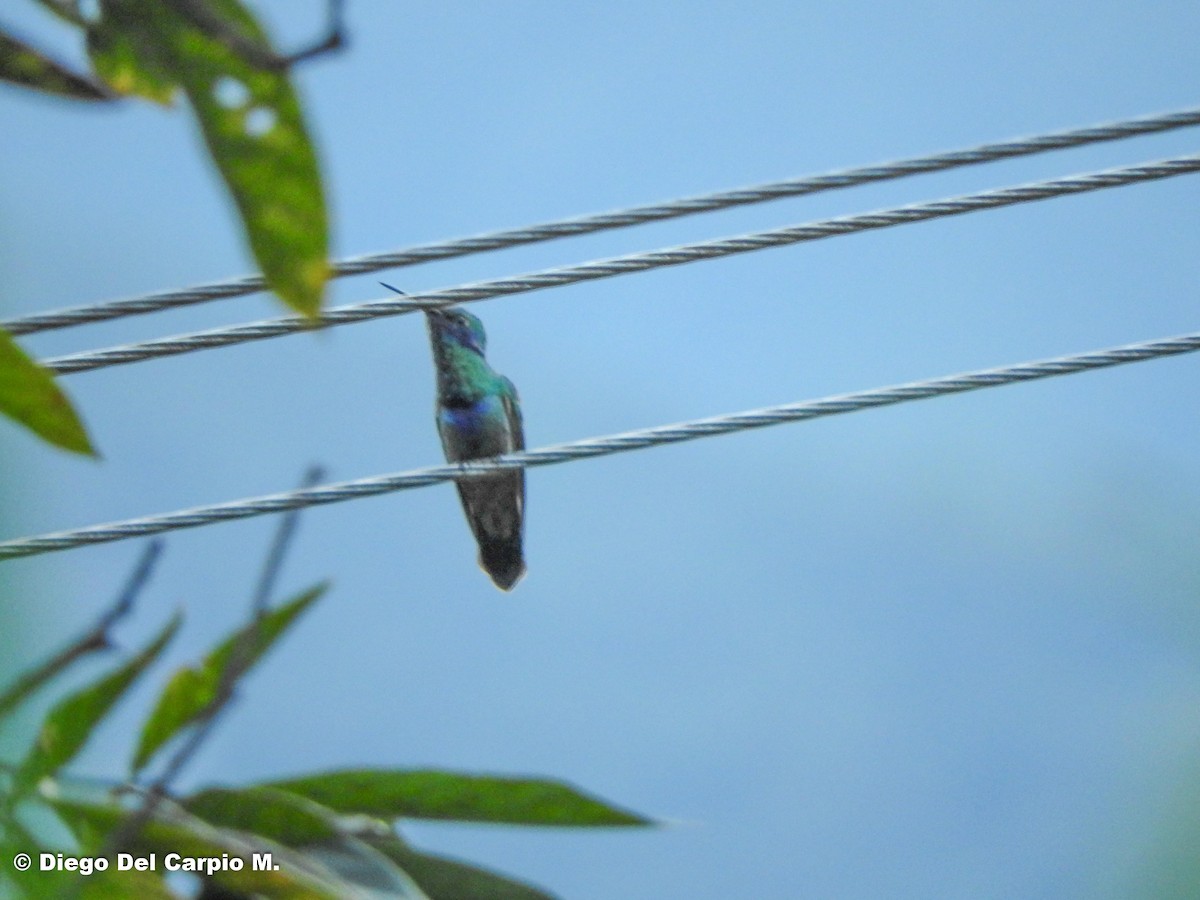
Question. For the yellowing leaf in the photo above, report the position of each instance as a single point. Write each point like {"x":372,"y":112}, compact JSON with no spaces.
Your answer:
{"x":251,"y":121}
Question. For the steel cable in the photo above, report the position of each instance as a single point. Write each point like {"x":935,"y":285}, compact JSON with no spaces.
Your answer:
{"x":601,"y":446}
{"x":637,"y":215}
{"x":623,"y":265}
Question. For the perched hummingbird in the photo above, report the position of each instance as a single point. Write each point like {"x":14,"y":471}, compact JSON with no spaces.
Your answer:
{"x":479,"y":415}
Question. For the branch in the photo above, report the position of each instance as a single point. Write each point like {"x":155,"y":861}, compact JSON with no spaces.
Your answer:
{"x":274,"y":561}
{"x":97,"y":638}
{"x":200,"y":14}
{"x":239,"y":661}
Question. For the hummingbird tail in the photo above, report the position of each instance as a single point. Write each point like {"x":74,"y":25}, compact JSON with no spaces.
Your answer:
{"x":503,"y":562}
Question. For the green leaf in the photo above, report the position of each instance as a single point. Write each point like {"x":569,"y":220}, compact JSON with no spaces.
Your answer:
{"x":67,"y":10}
{"x":22,"y":64}
{"x":307,"y":827}
{"x":250,"y":119}
{"x":191,"y":690}
{"x":172,"y":830}
{"x":271,"y":813}
{"x":125,"y":52}
{"x":70,"y":723}
{"x":361,"y":864}
{"x":29,"y":394}
{"x":442,"y":878}
{"x":107,"y":885}
{"x":113,"y":885}
{"x":395,"y":794}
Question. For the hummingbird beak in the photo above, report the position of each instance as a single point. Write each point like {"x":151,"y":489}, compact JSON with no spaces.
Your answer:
{"x":435,"y":314}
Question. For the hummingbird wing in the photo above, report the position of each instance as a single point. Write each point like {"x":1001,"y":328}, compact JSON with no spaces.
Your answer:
{"x":512,"y":409}
{"x":516,"y":428}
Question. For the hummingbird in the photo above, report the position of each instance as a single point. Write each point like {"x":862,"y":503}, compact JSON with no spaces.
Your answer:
{"x":478,"y":415}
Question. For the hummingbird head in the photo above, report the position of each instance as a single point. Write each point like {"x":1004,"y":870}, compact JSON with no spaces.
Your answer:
{"x":450,"y":324}
{"x":457,"y":326}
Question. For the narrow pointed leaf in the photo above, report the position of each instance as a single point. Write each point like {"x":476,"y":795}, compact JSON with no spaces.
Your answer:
{"x":31,"y":882}
{"x":442,"y":878}
{"x":107,"y":885}
{"x":395,"y":794}
{"x":67,"y":10}
{"x":361,"y":864}
{"x":22,"y":64}
{"x":262,"y":148}
{"x":126,"y":53}
{"x":29,"y":395}
{"x":71,"y":722}
{"x":295,"y":876}
{"x":289,"y":819}
{"x":191,"y":690}
{"x":113,"y":885}
{"x":307,"y":827}
{"x":250,"y":119}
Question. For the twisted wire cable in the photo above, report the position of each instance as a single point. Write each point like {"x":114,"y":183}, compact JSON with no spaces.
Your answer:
{"x":637,"y":215}
{"x":622,"y":265}
{"x":601,"y":446}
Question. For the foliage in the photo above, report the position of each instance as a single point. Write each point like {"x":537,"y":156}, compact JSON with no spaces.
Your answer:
{"x":331,"y":834}
{"x":250,"y":118}
{"x":24,"y":65}
{"x":29,"y":395}
{"x":191,"y":690}
{"x":219,"y":57}
{"x":324,"y":835}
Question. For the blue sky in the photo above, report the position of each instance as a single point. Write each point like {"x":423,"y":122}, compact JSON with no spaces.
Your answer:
{"x":945,"y":649}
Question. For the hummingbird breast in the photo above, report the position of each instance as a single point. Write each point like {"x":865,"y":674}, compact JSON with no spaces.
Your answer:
{"x":475,"y":431}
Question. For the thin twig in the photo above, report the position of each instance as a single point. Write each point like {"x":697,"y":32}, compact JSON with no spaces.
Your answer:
{"x":240,"y":660}
{"x":250,"y":49}
{"x":98,"y":637}
{"x":283,"y":537}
